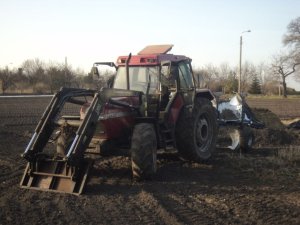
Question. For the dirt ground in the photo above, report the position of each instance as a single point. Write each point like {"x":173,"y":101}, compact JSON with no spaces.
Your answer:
{"x":261,"y":187}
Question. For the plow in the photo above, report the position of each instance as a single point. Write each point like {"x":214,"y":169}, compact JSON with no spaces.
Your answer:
{"x":152,"y":103}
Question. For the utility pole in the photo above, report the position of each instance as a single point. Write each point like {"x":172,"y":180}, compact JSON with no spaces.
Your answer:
{"x":66,"y":63}
{"x":240,"y":67}
{"x":66,"y":68}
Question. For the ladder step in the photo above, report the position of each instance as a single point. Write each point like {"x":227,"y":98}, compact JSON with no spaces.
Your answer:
{"x":168,"y":138}
{"x":169,"y":147}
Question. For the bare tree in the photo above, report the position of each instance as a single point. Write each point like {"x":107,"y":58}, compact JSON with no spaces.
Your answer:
{"x":231,"y":83}
{"x":34,"y":70}
{"x":225,"y":70}
{"x":211,"y":74}
{"x":248,"y":73}
{"x":227,"y":78}
{"x":59,"y":75}
{"x":292,"y":38}
{"x":200,"y":75}
{"x":284,"y":65}
{"x":55,"y":77}
{"x":6,"y":79}
{"x":78,"y":79}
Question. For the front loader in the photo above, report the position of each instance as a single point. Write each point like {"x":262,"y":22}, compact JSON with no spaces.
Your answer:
{"x":65,"y":173}
{"x":152,"y":103}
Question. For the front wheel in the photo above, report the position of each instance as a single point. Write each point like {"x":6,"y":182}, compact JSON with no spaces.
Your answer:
{"x":196,"y":134}
{"x":143,"y":151}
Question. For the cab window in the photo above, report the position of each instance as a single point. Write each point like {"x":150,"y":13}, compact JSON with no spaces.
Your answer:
{"x":139,"y":78}
{"x":185,"y":76}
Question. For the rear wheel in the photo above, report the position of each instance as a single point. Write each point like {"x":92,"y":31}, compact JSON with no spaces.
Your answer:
{"x":143,"y":151}
{"x":196,"y":134}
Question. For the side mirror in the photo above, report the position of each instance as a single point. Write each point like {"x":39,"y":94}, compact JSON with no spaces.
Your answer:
{"x":110,"y":81}
{"x":95,"y":73}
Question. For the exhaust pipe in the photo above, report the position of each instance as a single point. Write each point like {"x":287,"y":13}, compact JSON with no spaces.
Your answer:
{"x":127,"y":71}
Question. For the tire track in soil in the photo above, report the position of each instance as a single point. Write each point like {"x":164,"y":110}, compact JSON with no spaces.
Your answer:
{"x":11,"y":164}
{"x":222,"y":208}
{"x":4,"y":178}
{"x":133,"y":204}
{"x":244,"y":206}
{"x":111,"y":187}
{"x":131,"y":211}
{"x":115,"y":209}
{"x":265,"y":207}
{"x":183,"y":213}
{"x":167,"y":217}
{"x":172,"y":207}
{"x":122,"y":196}
{"x":11,"y":179}
{"x":208,"y":209}
{"x":32,"y":207}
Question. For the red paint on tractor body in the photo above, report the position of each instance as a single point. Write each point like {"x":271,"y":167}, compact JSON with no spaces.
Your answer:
{"x":115,"y":120}
{"x":175,"y":109}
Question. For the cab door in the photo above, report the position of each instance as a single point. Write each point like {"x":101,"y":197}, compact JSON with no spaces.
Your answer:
{"x":186,"y":83}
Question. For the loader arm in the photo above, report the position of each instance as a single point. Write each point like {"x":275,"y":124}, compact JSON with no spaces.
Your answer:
{"x":47,"y":124}
{"x":85,"y":132}
{"x":67,"y":174}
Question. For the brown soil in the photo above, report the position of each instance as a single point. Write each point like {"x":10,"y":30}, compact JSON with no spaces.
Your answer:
{"x":261,"y":187}
{"x":275,"y":132}
{"x":282,"y":107}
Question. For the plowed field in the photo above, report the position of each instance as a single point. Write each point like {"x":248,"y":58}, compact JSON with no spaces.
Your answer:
{"x":261,"y":187}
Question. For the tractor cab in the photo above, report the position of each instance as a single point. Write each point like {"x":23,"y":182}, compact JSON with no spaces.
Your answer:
{"x":161,"y":77}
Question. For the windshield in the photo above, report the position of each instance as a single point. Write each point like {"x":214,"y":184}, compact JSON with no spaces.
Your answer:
{"x":138,"y":78}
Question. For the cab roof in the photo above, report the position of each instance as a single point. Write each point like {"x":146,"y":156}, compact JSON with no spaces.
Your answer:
{"x":152,"y":55}
{"x":156,"y":49}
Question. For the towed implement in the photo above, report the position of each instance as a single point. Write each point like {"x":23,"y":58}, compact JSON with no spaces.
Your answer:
{"x":238,"y":120}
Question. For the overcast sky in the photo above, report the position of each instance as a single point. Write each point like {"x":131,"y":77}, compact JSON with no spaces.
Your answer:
{"x":86,"y":31}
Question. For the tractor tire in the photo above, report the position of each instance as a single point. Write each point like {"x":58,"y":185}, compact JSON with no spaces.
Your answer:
{"x":246,"y":139}
{"x":143,"y":151}
{"x":196,"y":134}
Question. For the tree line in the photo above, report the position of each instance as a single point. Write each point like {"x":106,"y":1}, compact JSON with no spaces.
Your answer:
{"x":36,"y":76}
{"x":263,"y":78}
{"x":255,"y":79}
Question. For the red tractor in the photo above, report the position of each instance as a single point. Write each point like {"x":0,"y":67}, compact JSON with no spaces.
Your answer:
{"x":152,"y":103}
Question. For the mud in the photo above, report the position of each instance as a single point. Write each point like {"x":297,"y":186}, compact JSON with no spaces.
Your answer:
{"x":261,"y":187}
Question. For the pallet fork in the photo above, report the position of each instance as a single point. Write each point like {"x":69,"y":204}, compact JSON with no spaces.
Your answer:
{"x":65,"y":174}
